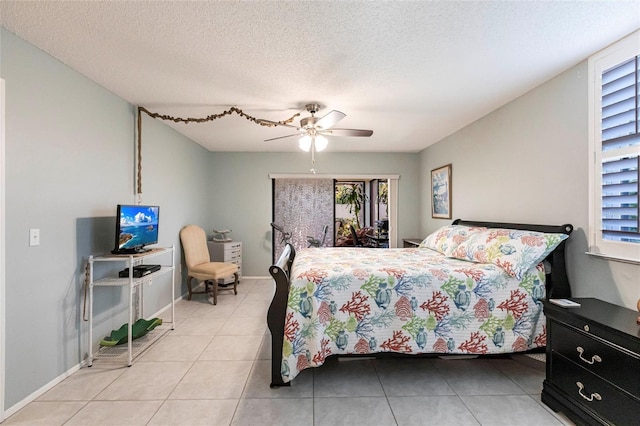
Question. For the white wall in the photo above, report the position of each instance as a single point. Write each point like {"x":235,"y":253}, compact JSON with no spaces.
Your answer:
{"x":527,"y":162}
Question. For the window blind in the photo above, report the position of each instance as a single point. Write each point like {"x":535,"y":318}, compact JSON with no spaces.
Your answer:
{"x":620,"y":152}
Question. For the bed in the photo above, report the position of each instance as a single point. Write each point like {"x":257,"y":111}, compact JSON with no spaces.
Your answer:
{"x":471,"y":288}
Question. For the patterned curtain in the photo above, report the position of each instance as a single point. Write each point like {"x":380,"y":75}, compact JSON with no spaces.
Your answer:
{"x":303,"y":207}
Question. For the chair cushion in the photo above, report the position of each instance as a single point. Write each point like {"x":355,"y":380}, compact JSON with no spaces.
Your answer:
{"x":213,"y":270}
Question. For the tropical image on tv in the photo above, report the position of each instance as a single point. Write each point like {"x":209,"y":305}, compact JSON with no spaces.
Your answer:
{"x":138,"y":226}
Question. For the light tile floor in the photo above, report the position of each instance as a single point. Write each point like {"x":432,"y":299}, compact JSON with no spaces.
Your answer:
{"x":214,"y":369}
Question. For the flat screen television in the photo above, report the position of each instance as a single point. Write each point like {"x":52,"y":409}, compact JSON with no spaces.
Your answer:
{"x":136,"y":228}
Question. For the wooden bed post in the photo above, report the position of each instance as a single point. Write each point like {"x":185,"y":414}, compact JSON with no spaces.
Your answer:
{"x":277,"y":311}
{"x":558,"y":287}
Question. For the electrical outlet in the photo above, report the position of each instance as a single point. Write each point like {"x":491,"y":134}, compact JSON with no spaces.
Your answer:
{"x":34,"y":237}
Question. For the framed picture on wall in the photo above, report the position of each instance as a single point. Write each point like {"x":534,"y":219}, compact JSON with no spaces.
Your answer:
{"x":441,"y":192}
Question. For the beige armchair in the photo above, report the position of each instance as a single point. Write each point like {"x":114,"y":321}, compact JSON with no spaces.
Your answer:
{"x":200,"y":266}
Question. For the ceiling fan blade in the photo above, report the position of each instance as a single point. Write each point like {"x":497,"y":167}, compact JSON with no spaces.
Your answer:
{"x":349,"y":132}
{"x":275,"y":123}
{"x":330,"y":119}
{"x":281,"y":137}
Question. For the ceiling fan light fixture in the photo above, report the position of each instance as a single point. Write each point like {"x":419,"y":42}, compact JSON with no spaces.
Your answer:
{"x":321,"y":143}
{"x":305,"y":143}
{"x":311,"y":130}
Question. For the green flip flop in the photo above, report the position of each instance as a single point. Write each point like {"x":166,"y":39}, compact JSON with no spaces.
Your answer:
{"x":139,"y":329}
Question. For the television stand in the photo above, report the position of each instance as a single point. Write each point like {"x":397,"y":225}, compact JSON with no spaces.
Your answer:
{"x":135,"y":281}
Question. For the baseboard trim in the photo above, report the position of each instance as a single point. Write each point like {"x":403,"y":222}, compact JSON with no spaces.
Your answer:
{"x":47,"y":387}
{"x":39,"y":392}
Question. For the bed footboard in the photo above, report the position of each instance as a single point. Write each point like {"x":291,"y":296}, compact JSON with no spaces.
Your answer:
{"x":277,"y":311}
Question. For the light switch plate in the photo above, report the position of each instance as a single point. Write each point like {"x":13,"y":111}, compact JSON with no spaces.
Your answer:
{"x":34,"y":237}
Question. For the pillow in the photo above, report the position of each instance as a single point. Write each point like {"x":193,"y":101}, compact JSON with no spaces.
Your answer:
{"x":514,"y":251}
{"x":446,"y":239}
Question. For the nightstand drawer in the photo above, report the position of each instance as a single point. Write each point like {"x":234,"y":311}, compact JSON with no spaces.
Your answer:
{"x":593,"y":393}
{"x":627,"y":337}
{"x":600,"y":329}
{"x":609,"y":362}
{"x":411,"y":242}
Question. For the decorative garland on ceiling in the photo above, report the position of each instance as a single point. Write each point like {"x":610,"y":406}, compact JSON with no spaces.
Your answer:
{"x":212,"y":117}
{"x":187,"y":120}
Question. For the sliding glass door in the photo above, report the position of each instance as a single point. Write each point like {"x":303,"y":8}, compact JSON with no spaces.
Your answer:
{"x":363,"y":205}
{"x":303,"y":205}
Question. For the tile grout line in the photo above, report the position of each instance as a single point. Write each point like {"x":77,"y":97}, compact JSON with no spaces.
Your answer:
{"x":384,"y":391}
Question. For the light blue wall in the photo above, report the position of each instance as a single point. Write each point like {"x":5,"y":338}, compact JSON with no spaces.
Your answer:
{"x":242,"y":197}
{"x":69,"y":161}
{"x":70,"y":148}
{"x":527,"y":162}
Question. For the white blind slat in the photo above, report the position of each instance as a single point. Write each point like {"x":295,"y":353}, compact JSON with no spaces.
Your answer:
{"x":619,"y":171}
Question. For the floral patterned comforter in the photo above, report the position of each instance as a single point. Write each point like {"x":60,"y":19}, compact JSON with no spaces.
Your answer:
{"x":362,"y":300}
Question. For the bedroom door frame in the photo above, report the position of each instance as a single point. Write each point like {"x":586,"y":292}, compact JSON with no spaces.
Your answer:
{"x":393,"y":194}
{"x":3,"y":191}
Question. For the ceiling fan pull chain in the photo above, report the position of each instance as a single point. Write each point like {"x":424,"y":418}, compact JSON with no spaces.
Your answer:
{"x":313,"y":156}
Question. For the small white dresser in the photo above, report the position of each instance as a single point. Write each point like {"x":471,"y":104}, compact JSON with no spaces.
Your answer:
{"x":230,"y":252}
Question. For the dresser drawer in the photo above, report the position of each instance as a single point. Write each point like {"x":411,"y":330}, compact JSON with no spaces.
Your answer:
{"x":597,"y":356}
{"x":224,"y":252}
{"x":236,"y":245}
{"x":232,"y":255}
{"x":229,"y":252}
{"x":593,"y":393}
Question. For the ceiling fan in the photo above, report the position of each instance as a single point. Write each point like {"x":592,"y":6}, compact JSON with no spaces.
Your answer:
{"x":313,"y":129}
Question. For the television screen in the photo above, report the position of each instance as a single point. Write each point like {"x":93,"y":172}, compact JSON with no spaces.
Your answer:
{"x":136,"y":227}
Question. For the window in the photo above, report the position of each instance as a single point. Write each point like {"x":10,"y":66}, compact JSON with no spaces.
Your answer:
{"x":363,"y":204}
{"x":615,"y":146}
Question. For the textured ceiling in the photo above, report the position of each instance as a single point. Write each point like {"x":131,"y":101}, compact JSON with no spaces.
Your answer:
{"x":413,"y":72}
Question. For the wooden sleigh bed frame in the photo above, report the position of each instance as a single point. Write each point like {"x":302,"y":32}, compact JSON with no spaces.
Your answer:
{"x":556,"y":284}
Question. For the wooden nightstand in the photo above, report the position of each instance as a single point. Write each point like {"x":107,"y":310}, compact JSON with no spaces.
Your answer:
{"x":411,"y":242}
{"x":593,"y":362}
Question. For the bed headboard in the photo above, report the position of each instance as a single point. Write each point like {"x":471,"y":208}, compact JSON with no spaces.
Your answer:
{"x":557,"y":280}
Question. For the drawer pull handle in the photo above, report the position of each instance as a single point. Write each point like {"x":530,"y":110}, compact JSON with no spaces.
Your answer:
{"x":594,"y":359}
{"x":588,"y":398}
